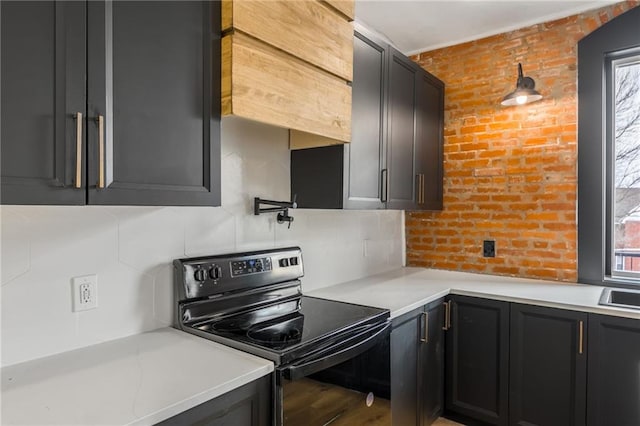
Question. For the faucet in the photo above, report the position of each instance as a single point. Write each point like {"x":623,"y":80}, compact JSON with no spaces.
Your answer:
{"x":282,"y":207}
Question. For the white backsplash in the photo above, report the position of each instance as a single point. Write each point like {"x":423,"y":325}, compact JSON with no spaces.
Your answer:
{"x":131,"y":249}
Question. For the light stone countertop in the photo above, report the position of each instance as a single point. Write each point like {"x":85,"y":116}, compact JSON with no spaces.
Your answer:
{"x":137,"y":380}
{"x":406,"y":289}
{"x":147,"y":378}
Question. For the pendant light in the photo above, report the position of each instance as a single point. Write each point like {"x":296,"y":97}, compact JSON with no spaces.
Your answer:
{"x":525,"y":91}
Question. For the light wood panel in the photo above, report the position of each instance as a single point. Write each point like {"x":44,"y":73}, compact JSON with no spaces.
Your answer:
{"x":265,"y":84}
{"x":302,"y":140}
{"x":346,"y":7}
{"x":306,"y":29}
{"x":309,"y":402}
{"x":227,"y":14}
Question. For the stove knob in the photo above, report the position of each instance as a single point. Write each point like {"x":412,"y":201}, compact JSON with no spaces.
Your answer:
{"x":200,"y":275}
{"x":215,"y":272}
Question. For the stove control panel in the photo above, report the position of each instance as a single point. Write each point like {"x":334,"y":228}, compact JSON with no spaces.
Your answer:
{"x":214,"y":276}
{"x":250,"y":266}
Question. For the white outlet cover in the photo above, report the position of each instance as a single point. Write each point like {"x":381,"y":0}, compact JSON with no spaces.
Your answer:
{"x":84,"y":291}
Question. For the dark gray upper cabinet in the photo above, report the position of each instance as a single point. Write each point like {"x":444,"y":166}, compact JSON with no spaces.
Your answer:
{"x":396,"y":145}
{"x":142,"y":74}
{"x":548,"y":366}
{"x":402,"y":131}
{"x":365,"y":155}
{"x":477,"y":363}
{"x":429,"y":141}
{"x":153,"y":73}
{"x":613,"y":388}
{"x":350,"y":176}
{"x":43,"y":90}
{"x":415,"y":142}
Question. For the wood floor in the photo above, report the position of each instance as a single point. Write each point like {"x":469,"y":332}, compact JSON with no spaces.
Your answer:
{"x":445,"y":422}
{"x":312,"y":403}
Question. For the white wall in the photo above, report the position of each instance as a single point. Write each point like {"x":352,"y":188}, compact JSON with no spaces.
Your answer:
{"x":131,"y":248}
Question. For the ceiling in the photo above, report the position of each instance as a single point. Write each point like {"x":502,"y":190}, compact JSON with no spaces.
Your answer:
{"x":421,"y":25}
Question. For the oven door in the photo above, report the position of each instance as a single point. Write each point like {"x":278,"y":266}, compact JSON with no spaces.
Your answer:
{"x":347,"y":383}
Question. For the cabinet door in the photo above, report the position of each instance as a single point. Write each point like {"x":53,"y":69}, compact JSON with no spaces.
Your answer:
{"x":548,"y":368}
{"x":613,"y":388}
{"x":248,"y":405}
{"x":431,"y":371}
{"x":43,"y":90}
{"x":429,"y":141}
{"x":405,"y":337}
{"x":365,"y":155}
{"x":477,"y":367}
{"x":153,"y":69}
{"x":401,"y":131}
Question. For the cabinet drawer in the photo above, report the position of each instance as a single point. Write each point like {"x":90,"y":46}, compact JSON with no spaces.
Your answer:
{"x":264,"y":84}
{"x":308,"y":30}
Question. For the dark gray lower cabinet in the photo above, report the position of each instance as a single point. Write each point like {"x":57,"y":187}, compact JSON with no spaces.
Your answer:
{"x":477,"y":361}
{"x":431,"y":364}
{"x":417,"y":366}
{"x":405,"y":338}
{"x":613,"y":389}
{"x":548,"y":366}
{"x":248,"y":405}
{"x":508,"y":363}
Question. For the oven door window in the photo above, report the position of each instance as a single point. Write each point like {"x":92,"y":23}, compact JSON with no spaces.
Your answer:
{"x":354,"y":392}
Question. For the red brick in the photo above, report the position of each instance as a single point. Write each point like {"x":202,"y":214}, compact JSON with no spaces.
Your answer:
{"x":510,"y":173}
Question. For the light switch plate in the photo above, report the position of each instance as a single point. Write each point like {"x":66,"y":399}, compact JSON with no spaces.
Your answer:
{"x":85,"y":292}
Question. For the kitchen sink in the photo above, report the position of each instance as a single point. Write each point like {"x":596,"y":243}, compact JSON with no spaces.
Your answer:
{"x":621,"y":298}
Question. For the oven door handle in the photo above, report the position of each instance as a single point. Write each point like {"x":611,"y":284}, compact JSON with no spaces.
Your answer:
{"x":365,"y":341}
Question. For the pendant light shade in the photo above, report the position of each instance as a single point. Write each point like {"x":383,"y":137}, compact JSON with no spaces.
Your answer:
{"x":525,"y":91}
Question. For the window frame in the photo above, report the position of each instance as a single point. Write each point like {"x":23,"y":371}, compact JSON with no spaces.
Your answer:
{"x":597,"y":53}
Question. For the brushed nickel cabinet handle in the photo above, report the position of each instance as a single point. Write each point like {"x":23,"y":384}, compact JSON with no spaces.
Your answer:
{"x":449,"y":315}
{"x":384,"y":185}
{"x":78,"y":183}
{"x":100,"y":120}
{"x":418,"y":186}
{"x":581,"y":337}
{"x":425,"y":325}
{"x":446,"y":316}
{"x":422,"y":188}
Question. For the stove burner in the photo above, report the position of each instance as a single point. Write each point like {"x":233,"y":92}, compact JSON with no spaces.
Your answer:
{"x":232,"y":325}
{"x":286,"y":331}
{"x":239,"y":324}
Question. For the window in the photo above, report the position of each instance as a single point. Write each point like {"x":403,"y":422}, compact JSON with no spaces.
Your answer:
{"x":625,"y":164}
{"x":609,"y":153}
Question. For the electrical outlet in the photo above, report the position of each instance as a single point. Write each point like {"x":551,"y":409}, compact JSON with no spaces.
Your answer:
{"x":489,"y":248}
{"x":85,"y":292}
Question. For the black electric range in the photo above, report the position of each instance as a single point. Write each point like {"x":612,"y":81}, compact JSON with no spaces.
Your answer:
{"x":253,"y":302}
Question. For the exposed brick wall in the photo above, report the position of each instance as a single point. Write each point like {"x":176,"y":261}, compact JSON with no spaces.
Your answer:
{"x":510,"y":173}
